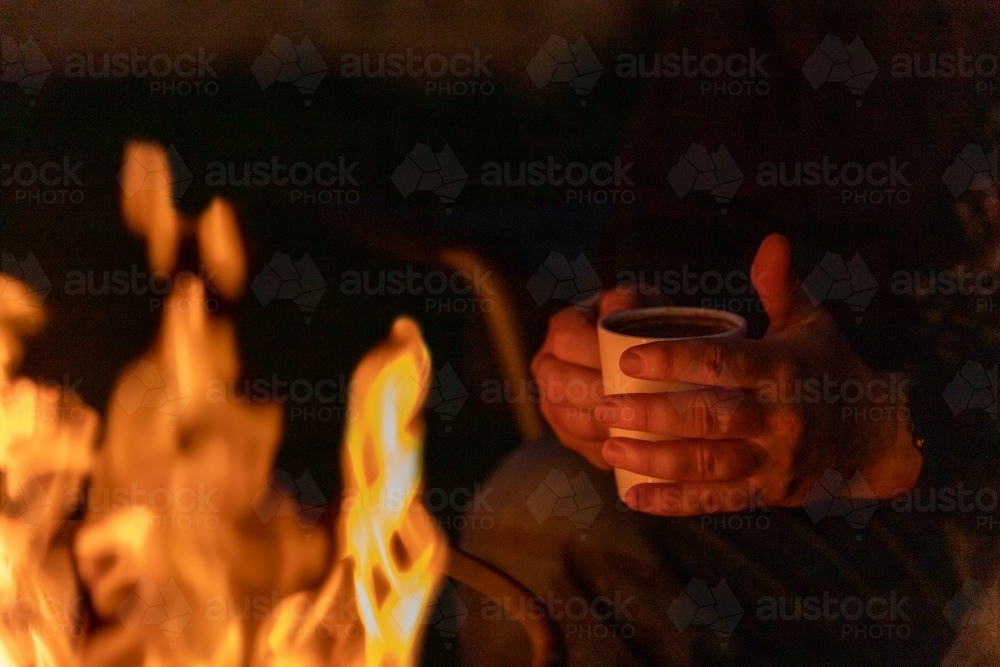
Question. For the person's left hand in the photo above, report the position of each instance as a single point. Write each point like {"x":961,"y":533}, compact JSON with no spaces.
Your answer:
{"x":774,"y":415}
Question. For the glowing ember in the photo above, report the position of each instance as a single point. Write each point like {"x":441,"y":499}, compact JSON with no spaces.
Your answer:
{"x":390,"y":553}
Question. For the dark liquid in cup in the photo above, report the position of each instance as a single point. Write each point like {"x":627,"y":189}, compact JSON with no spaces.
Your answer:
{"x":673,"y":327}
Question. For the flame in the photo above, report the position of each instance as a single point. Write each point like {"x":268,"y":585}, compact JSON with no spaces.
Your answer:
{"x":152,"y":569}
{"x":398,"y":556}
{"x":43,"y":454}
{"x":149,"y":578}
{"x":390,"y":553}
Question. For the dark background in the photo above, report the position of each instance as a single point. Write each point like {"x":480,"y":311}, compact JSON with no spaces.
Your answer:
{"x":377,"y":122}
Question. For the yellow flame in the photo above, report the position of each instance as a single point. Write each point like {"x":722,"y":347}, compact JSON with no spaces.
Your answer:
{"x":390,"y":553}
{"x":398,"y":555}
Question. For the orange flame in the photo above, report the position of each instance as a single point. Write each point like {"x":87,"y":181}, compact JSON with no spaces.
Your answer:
{"x":43,"y":454}
{"x":186,"y":537}
{"x":390,"y":552}
{"x":150,"y":579}
{"x":399,"y":556}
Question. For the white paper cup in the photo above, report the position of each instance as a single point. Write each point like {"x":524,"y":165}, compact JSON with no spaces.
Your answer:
{"x":613,"y":344}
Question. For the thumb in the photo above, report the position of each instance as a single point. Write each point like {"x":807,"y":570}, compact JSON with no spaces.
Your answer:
{"x":617,"y":299}
{"x":779,"y":289}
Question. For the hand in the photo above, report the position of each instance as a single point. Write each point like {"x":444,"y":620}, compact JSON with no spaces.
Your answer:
{"x":774,"y":414}
{"x":568,"y":371}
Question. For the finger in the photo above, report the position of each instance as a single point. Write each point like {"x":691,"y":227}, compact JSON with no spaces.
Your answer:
{"x":785,"y":300}
{"x":573,"y":339}
{"x":568,"y":384}
{"x":577,"y":433}
{"x":685,"y":460}
{"x":711,"y":413}
{"x":580,"y":424}
{"x":725,"y":362}
{"x":695,"y":498}
{"x":617,"y":299}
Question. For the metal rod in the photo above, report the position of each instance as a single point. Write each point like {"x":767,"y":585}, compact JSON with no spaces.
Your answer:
{"x":546,"y":642}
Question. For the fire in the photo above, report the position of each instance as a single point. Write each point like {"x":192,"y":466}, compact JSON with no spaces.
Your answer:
{"x":188,"y":468}
{"x":390,"y":553}
{"x":398,"y":556}
{"x":153,"y":565}
{"x":45,"y":442}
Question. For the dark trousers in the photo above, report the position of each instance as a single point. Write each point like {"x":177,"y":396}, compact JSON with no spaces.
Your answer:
{"x":765,"y":587}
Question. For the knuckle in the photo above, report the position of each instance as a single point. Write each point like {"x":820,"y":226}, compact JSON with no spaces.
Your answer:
{"x":703,"y":421}
{"x":563,"y":340}
{"x":565,"y":327}
{"x":705,"y":460}
{"x":713,"y":359}
{"x":545,"y":367}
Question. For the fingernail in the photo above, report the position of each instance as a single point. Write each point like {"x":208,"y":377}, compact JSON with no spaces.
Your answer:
{"x":630,"y":363}
{"x":630,"y":497}
{"x":614,"y":452}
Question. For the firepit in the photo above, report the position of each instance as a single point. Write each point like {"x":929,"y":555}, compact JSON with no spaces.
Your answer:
{"x":145,"y":541}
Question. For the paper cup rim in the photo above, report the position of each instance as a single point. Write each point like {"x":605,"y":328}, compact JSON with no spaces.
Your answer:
{"x":621,"y":315}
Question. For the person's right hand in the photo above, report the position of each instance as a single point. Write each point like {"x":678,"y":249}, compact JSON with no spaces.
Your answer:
{"x":568,"y":370}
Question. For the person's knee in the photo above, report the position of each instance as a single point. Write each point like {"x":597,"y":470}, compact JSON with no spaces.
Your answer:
{"x":542,"y":492}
